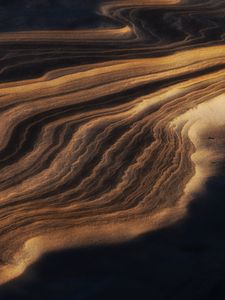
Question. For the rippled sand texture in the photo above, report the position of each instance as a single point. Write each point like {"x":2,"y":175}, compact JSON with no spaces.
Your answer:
{"x":108,"y":132}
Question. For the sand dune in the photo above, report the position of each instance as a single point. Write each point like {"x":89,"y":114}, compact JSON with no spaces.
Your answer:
{"x":108,"y":132}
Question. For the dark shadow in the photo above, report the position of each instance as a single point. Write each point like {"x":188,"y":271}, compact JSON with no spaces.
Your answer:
{"x":22,"y":15}
{"x":184,"y":261}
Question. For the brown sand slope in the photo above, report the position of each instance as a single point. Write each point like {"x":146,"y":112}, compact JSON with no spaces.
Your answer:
{"x":105,"y":133}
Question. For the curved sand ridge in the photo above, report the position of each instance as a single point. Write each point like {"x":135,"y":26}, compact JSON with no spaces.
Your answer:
{"x":105,"y":150}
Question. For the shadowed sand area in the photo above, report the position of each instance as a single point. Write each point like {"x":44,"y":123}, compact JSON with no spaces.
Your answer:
{"x":112,"y":149}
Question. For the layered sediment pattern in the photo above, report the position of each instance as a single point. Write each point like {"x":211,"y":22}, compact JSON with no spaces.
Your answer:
{"x":107,"y":130}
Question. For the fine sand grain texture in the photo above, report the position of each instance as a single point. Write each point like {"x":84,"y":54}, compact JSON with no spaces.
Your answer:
{"x":112,"y":121}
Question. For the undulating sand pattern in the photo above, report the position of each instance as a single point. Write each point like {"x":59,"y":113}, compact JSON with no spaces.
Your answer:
{"x":107,"y":132}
